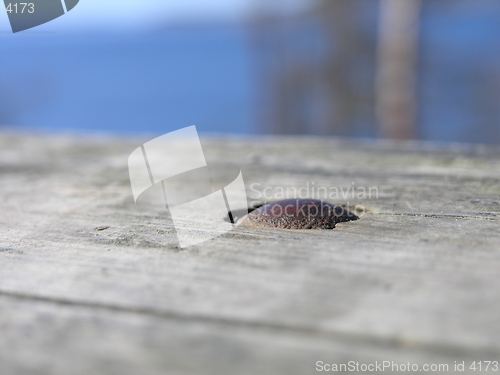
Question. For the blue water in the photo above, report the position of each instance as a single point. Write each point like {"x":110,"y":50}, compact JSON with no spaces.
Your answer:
{"x":154,"y":82}
{"x":209,"y":77}
{"x":459,"y":71}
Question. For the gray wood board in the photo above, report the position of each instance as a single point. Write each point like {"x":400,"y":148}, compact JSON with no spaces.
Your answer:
{"x":414,"y":280}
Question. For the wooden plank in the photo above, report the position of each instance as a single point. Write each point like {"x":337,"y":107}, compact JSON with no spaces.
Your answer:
{"x":415,"y":279}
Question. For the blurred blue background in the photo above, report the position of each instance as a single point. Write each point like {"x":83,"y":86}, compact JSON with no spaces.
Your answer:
{"x":255,"y":67}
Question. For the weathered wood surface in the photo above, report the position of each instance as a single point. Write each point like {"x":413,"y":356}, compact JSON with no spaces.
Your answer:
{"x":415,"y":280}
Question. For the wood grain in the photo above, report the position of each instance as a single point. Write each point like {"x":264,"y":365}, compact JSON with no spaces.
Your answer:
{"x":415,"y":280}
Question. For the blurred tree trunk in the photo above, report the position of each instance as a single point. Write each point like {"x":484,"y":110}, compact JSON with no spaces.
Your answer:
{"x":349,"y":57}
{"x":396,"y":73}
